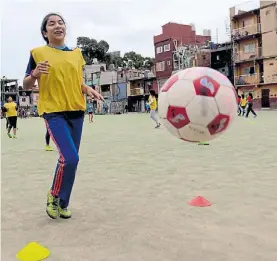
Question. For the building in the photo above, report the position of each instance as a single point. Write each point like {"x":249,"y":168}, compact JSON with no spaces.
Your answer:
{"x":254,"y":40}
{"x":178,"y":42}
{"x":221,"y":59}
{"x":9,"y":88}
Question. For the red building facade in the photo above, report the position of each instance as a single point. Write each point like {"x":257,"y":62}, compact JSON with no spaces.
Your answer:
{"x":173,"y":34}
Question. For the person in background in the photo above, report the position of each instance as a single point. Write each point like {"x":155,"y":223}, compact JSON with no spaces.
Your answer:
{"x":238,"y":102}
{"x":153,"y":107}
{"x":243,"y":103}
{"x":11,"y":115}
{"x":147,"y":107}
{"x":250,"y":106}
{"x":90,"y":112}
{"x":47,"y":141}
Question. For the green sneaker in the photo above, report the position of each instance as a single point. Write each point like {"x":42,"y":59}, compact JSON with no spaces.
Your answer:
{"x":65,"y":213}
{"x":52,"y":208}
{"x":9,"y":135}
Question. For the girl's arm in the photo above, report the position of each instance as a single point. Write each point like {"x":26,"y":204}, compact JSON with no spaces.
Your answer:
{"x":29,"y":81}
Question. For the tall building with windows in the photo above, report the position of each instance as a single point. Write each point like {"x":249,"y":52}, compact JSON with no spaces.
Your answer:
{"x":167,"y":43}
{"x":254,"y":44}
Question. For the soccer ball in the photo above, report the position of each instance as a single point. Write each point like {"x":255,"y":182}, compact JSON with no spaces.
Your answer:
{"x":197,"y":104}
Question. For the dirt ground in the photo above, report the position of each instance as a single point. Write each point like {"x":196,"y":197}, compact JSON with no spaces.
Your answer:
{"x":130,"y":200}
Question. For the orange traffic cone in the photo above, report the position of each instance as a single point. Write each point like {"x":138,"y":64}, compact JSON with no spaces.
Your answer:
{"x":200,"y":202}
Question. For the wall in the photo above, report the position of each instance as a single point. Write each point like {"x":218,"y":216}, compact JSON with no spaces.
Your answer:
{"x":270,"y":70}
{"x":164,"y":56}
{"x":257,"y":95}
{"x":269,"y":25}
{"x":120,"y":91}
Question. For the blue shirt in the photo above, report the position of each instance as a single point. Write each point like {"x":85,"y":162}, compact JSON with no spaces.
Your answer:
{"x":32,"y":64}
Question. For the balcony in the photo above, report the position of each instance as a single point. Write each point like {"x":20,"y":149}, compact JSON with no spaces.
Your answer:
{"x":249,"y":79}
{"x":241,"y":56}
{"x":246,"y":32}
{"x":136,"y":91}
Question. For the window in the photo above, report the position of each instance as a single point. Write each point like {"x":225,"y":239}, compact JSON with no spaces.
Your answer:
{"x":248,"y":70}
{"x":250,"y":48}
{"x":160,"y":67}
{"x":168,"y":63}
{"x":243,"y":25}
{"x":167,"y":47}
{"x":159,"y":49}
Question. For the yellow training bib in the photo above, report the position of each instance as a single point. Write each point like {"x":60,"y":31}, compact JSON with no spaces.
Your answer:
{"x":61,"y":89}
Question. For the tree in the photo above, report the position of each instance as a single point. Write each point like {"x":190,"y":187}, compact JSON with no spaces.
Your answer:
{"x":133,"y":60}
{"x":92,"y":49}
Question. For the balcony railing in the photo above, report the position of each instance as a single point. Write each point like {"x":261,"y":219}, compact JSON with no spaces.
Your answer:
{"x":243,"y":32}
{"x":136,"y":91}
{"x":249,"y":55}
{"x":249,"y":79}
{"x":106,"y":94}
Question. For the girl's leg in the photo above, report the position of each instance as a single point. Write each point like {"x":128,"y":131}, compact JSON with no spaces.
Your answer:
{"x":47,"y":138}
{"x":61,"y":133}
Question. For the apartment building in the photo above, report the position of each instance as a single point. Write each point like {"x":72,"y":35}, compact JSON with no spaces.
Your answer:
{"x":173,"y":38}
{"x":254,"y":43}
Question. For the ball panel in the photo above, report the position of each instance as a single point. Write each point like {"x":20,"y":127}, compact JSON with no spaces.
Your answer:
{"x":221,"y":78}
{"x":170,"y":128}
{"x":177,"y":116}
{"x":202,"y":110}
{"x":226,"y":101}
{"x":195,"y":133}
{"x":170,"y":82}
{"x":181,"y":93}
{"x":219,"y":124}
{"x":163,"y":104}
{"x":193,"y":73}
{"x":206,"y":86}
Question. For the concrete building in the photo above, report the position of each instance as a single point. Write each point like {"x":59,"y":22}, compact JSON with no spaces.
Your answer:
{"x":221,"y":59}
{"x":254,"y":39}
{"x":175,"y":38}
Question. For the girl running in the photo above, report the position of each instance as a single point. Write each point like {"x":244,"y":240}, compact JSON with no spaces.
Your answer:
{"x":250,"y":106}
{"x":90,"y":111}
{"x":243,"y":103}
{"x":11,"y":115}
{"x":59,"y":72}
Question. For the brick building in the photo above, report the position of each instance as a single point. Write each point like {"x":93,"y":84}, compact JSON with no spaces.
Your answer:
{"x":172,"y":36}
{"x":254,"y":37}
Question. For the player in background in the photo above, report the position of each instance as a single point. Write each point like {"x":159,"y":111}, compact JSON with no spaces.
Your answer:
{"x":238,"y":102}
{"x":59,"y":72}
{"x":250,"y":106}
{"x":153,"y":107}
{"x":11,"y":114}
{"x":243,"y":103}
{"x":47,"y":141}
{"x":90,"y":111}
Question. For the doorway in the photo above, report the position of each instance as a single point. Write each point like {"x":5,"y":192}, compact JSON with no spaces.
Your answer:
{"x":265,"y":98}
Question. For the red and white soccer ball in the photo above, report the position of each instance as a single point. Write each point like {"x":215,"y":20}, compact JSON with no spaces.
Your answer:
{"x":197,"y":104}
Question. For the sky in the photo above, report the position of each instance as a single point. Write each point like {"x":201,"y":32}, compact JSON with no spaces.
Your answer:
{"x":127,"y":25}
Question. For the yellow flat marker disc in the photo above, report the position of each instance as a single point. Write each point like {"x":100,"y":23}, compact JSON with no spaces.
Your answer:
{"x":33,"y":252}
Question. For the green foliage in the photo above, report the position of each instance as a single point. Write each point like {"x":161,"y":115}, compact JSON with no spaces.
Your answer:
{"x":92,"y":49}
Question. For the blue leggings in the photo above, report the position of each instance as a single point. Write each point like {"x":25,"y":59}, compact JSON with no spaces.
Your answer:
{"x":66,"y":134}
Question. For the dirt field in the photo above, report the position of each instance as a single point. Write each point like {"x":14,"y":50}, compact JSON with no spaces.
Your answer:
{"x":130,"y":200}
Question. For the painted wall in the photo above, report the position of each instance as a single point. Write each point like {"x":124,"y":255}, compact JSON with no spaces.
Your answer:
{"x":270,"y":71}
{"x":120,"y":91}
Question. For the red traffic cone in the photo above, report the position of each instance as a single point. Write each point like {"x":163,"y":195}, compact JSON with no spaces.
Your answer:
{"x":200,"y":202}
